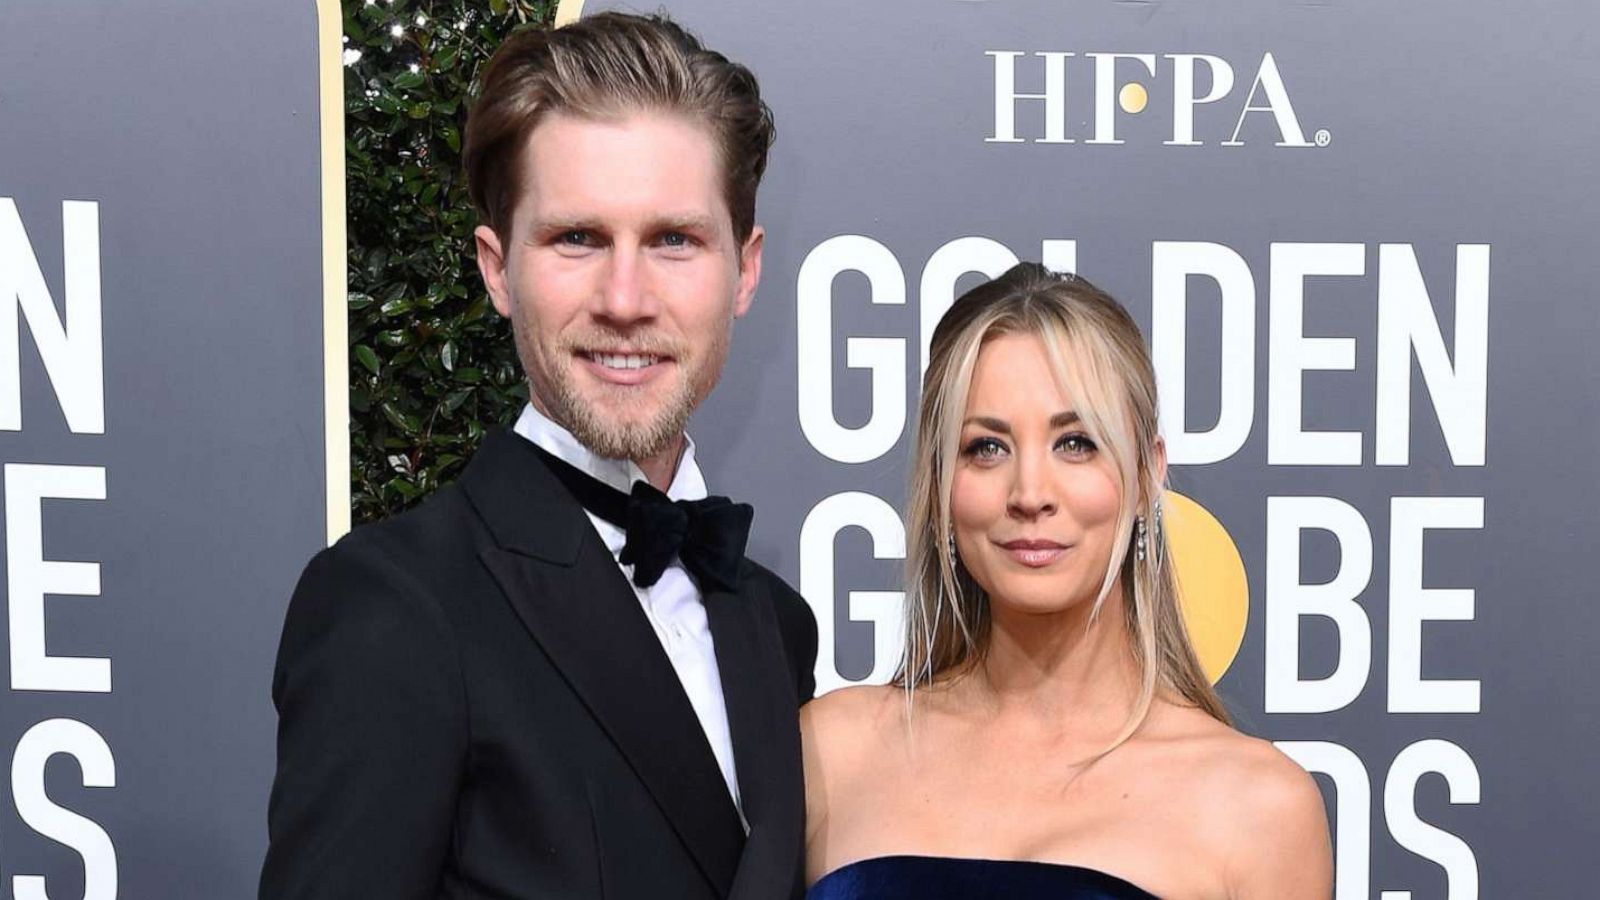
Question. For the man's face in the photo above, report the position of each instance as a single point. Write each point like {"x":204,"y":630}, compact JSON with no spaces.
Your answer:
{"x":622,"y":277}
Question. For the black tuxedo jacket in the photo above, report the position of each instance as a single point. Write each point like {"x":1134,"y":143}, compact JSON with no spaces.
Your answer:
{"x":472,"y":704}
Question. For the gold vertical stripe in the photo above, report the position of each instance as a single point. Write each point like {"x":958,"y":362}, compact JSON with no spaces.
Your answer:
{"x":335,"y":328}
{"x":568,"y":11}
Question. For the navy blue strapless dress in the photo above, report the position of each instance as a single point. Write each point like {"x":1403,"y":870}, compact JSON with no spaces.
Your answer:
{"x":944,"y":878}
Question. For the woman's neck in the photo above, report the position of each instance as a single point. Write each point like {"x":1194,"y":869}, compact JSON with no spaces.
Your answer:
{"x":1068,"y":670}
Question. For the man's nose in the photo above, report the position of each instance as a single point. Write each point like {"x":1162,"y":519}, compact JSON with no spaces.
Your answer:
{"x":626,"y":296}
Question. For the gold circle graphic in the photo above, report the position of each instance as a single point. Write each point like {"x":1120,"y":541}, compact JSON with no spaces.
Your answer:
{"x":1212,"y":590}
{"x":1133,"y":97}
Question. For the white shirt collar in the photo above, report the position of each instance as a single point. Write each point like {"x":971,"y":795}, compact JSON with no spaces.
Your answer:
{"x":687,"y":482}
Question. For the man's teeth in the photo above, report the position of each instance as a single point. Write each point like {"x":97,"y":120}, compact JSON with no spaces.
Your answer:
{"x":624,"y":360}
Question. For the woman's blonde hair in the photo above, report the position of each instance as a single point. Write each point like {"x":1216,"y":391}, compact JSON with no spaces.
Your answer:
{"x":1101,"y":364}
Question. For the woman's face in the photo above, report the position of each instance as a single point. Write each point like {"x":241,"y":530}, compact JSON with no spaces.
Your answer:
{"x":1034,"y":502}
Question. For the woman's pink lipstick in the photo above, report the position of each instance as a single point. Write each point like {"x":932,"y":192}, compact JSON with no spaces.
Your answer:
{"x":1035,"y":554}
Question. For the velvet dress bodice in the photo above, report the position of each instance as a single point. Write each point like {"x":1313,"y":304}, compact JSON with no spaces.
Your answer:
{"x":947,"y":878}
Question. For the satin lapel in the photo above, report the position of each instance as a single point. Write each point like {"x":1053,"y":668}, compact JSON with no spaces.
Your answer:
{"x":763,"y":720}
{"x":581,"y":610}
{"x":589,"y":623}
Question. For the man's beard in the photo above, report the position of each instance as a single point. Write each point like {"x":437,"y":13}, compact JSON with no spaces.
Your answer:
{"x":618,"y":421}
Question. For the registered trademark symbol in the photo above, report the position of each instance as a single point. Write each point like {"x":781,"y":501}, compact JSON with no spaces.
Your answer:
{"x":1322,"y":137}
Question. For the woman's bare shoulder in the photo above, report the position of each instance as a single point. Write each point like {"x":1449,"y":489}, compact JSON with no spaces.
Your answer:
{"x":1265,"y":812}
{"x":1247,"y":774}
{"x":846,"y":716}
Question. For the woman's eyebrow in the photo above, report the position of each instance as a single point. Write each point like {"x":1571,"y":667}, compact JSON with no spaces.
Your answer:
{"x":1059,"y":420}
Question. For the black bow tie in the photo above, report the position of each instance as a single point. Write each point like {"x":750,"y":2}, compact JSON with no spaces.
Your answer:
{"x":708,"y":535}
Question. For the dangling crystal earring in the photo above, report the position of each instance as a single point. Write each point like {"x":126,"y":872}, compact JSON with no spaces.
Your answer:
{"x":1139,"y":538}
{"x":951,"y":549}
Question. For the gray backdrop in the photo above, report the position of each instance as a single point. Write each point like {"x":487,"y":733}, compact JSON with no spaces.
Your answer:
{"x":192,"y":125}
{"x":1457,"y":133}
{"x":1446,"y":125}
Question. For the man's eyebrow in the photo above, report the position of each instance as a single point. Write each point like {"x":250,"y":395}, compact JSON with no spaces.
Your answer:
{"x":548,"y":224}
{"x":683,"y":222}
{"x":1059,"y":420}
{"x":669,"y":222}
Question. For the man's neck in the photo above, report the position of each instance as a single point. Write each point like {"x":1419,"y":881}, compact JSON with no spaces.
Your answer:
{"x":660,"y":469}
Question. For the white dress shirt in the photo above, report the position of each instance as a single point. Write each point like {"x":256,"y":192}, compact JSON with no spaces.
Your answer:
{"x":673,"y":604}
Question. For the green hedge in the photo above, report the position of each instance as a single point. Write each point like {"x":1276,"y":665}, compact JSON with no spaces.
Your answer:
{"x":431,"y":365}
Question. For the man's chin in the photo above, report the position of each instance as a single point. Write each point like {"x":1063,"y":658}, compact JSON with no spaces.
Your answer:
{"x":618,"y":421}
{"x":630,"y":430}
{"x":632,"y":443}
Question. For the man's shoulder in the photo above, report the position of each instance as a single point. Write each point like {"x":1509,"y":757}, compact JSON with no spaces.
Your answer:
{"x":797,"y":625}
{"x":785,"y":599}
{"x":768,"y":579}
{"x":405,"y":560}
{"x":423,"y":532}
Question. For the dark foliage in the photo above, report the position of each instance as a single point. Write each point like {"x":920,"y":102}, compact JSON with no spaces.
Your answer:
{"x":431,"y":365}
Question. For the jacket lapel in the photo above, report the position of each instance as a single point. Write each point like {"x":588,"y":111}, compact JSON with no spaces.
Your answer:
{"x":764,"y":724}
{"x":564,"y":585}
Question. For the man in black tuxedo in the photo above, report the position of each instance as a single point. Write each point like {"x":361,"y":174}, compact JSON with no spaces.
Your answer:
{"x":550,"y":680}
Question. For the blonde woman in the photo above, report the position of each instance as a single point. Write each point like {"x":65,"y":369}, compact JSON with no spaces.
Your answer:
{"x":1051,"y":734}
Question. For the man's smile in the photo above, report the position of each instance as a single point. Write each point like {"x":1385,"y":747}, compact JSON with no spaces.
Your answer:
{"x":623,"y":368}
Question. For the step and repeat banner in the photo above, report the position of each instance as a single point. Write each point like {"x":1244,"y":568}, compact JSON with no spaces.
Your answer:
{"x":1360,"y":237}
{"x":172,"y":425}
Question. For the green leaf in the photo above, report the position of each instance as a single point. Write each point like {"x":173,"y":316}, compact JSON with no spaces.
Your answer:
{"x":454,"y":399}
{"x":367,"y":358}
{"x":400,"y":419}
{"x":432,"y":367}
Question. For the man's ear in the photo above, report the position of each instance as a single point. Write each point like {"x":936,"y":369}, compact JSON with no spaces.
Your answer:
{"x":492,"y":266}
{"x":749,"y":270}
